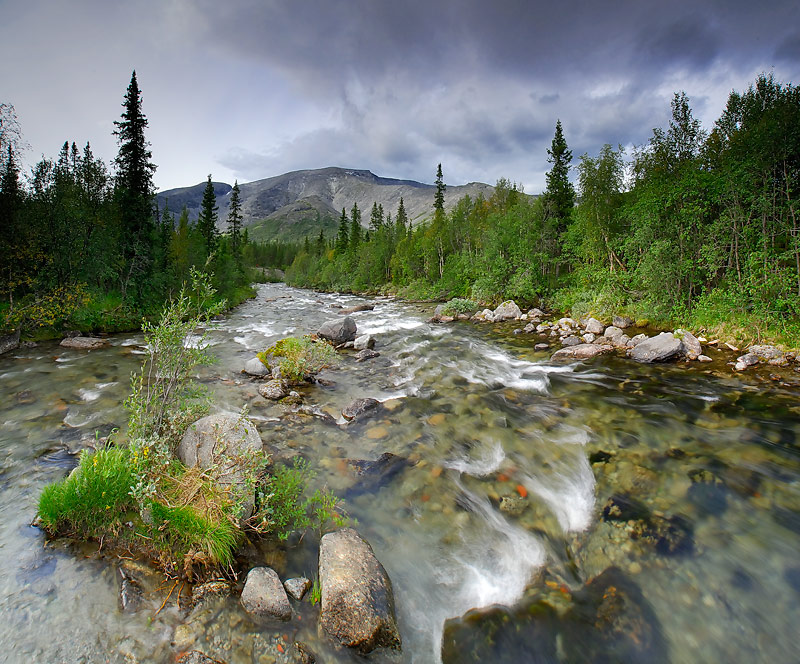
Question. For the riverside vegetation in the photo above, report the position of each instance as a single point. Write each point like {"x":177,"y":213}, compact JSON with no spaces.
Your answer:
{"x":140,"y":496}
{"x":697,"y":228}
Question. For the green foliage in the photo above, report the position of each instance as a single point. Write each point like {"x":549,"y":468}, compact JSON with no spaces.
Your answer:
{"x":459,"y":305}
{"x":315,"y":595}
{"x":299,"y":358}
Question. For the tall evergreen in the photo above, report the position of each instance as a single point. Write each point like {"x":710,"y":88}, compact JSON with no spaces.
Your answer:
{"x":235,"y":223}
{"x":320,"y":245}
{"x":343,"y":236}
{"x":207,"y":221}
{"x":438,"y":200}
{"x":401,"y":222}
{"x":10,"y":202}
{"x":355,"y":227}
{"x":376,"y":217}
{"x":134,"y":185}
{"x":560,"y":194}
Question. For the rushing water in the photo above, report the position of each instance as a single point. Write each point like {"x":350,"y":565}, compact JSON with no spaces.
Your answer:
{"x":476,"y":419}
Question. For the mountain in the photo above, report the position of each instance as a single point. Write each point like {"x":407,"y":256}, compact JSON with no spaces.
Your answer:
{"x":290,"y":206}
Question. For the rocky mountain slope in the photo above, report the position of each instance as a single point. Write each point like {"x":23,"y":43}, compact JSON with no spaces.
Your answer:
{"x":296,"y":204}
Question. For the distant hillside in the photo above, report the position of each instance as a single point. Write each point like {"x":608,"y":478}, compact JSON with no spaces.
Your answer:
{"x":292,"y":205}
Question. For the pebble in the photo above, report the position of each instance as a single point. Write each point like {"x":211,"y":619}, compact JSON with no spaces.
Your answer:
{"x":437,"y":419}
{"x":635,"y":568}
{"x":377,"y":432}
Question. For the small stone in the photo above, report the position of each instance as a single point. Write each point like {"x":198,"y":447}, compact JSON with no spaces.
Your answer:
{"x":359,"y":407}
{"x":264,"y":596}
{"x":274,"y":390}
{"x":622,"y":322}
{"x":376,"y":433}
{"x":589,"y":337}
{"x":594,"y":326}
{"x":297,"y":587}
{"x":612,"y":332}
{"x":255,"y":367}
{"x":366,"y":354}
{"x":571,"y":341}
{"x":704,"y":358}
{"x":437,"y":419}
{"x":364,"y":341}
{"x":513,"y":505}
{"x":541,"y":346}
{"x":184,"y":637}
{"x":746,"y":361}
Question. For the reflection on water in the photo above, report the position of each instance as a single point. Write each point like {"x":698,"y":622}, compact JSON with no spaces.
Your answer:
{"x":505,"y":464}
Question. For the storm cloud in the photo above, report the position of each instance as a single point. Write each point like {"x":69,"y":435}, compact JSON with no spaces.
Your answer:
{"x":249,"y":89}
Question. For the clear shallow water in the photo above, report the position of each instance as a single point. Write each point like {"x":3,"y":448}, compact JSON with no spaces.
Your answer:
{"x":480,"y":419}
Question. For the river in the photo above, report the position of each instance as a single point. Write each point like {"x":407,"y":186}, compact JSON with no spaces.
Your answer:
{"x":479,"y":420}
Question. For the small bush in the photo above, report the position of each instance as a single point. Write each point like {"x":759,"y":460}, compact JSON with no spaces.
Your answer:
{"x":299,"y":359}
{"x":459,"y":305}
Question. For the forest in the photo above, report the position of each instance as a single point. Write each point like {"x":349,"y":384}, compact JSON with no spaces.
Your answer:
{"x":697,"y":227}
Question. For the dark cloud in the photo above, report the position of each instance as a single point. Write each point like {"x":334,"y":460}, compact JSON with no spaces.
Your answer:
{"x":789,"y":49}
{"x":688,"y":42}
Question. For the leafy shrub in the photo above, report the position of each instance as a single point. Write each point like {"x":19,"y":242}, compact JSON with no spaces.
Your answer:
{"x":300,"y":358}
{"x":459,"y":305}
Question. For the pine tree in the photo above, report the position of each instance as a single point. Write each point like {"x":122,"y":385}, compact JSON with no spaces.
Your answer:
{"x":235,"y":223}
{"x":134,"y":186}
{"x":438,"y":201}
{"x":207,"y":221}
{"x":376,"y":217}
{"x":343,"y":237}
{"x":559,"y":195}
{"x":401,"y":222}
{"x":355,"y":227}
{"x":320,"y":245}
{"x":10,"y":202}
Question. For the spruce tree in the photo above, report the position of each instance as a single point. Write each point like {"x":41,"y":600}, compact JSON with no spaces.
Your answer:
{"x":343,"y":236}
{"x":10,"y":202}
{"x":134,"y":187}
{"x":438,"y":200}
{"x":207,"y":221}
{"x":376,"y":217}
{"x":320,"y":245}
{"x":401,"y":222}
{"x":355,"y":227}
{"x":235,"y":223}
{"x":559,"y":195}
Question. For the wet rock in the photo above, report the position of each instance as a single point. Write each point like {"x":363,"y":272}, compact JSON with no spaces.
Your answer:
{"x":221,"y":441}
{"x":622,"y":322}
{"x":621,"y":341}
{"x":304,"y":654}
{"x":315,"y":411}
{"x":297,"y":587}
{"x":594,"y":326}
{"x":357,"y":607}
{"x":366,"y":354}
{"x":9,"y":342}
{"x":704,"y":358}
{"x":357,"y":308}
{"x":375,"y":474}
{"x":620,"y":507}
{"x":83,"y":343}
{"x":263,"y":595}
{"x":635,"y":341}
{"x":508,"y":310}
{"x":746,"y":361}
{"x":274,"y":390}
{"x":660,"y":348}
{"x":513,"y":505}
{"x":542,"y":327}
{"x":196,"y":657}
{"x":691,"y":346}
{"x":209,"y":591}
{"x":600,"y":457}
{"x":131,"y":594}
{"x":588,"y":338}
{"x":485,"y":316}
{"x":766,"y":353}
{"x":338,"y":331}
{"x":571,"y":341}
{"x":541,"y":346}
{"x":536,"y":313}
{"x":580,"y":352}
{"x":530,"y":328}
{"x":364,"y":341}
{"x":25,"y":397}
{"x":255,"y":367}
{"x":359,"y":407}
{"x":612,"y":332}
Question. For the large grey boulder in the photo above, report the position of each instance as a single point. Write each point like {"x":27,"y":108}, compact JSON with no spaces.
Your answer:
{"x":264,"y":596}
{"x":358,"y":307}
{"x":274,"y":389}
{"x":338,"y":331}
{"x":364,"y":341}
{"x":691,"y":346}
{"x":255,"y":367}
{"x":357,"y":607}
{"x":83,"y":343}
{"x":9,"y":342}
{"x":580,"y":352}
{"x":613,"y":332}
{"x":770,"y":354}
{"x":622,"y":322}
{"x":594,"y":326}
{"x":659,"y":348}
{"x":506,"y":311}
{"x":221,"y":442}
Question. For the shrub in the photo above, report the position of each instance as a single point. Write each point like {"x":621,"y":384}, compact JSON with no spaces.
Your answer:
{"x":459,"y":305}
{"x":299,"y":359}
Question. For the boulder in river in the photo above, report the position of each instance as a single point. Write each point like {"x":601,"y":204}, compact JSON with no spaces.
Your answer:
{"x":613,"y":332}
{"x":357,"y":308}
{"x":506,"y":311}
{"x":364,"y":341}
{"x":594,"y":326}
{"x":580,"y":352}
{"x":366,"y":354}
{"x":220,"y":441}
{"x":264,"y":596}
{"x":338,"y":331}
{"x":9,"y":342}
{"x":622,"y":322}
{"x":357,"y":607}
{"x":769,"y":354}
{"x":659,"y":348}
{"x":691,"y":345}
{"x":745,"y":361}
{"x":83,"y":343}
{"x":274,"y":390}
{"x":255,"y":367}
{"x":571,"y":340}
{"x":359,"y":407}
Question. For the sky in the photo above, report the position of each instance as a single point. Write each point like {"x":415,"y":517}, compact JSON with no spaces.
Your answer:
{"x":248,"y":89}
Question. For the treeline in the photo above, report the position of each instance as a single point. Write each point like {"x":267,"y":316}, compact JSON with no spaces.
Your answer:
{"x":698,"y":227}
{"x":87,"y":246}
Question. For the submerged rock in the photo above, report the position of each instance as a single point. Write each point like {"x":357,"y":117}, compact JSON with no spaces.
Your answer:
{"x":9,"y":342}
{"x":264,"y":596}
{"x":196,"y":657}
{"x":338,"y":331}
{"x":357,"y":607}
{"x":206,"y":592}
{"x":659,"y":348}
{"x":375,"y":474}
{"x":83,"y":343}
{"x":357,"y":308}
{"x":131,"y":594}
{"x":580,"y":352}
{"x":359,"y":407}
{"x":745,"y":361}
{"x":274,"y":390}
{"x":366,"y":354}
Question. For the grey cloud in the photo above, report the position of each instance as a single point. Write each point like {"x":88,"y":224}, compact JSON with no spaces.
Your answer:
{"x":789,"y":49}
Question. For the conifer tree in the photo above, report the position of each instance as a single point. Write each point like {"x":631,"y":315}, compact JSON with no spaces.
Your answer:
{"x":207,"y":221}
{"x":320,"y":245}
{"x":376,"y":217}
{"x":559,"y":195}
{"x":438,"y":201}
{"x":235,"y":223}
{"x":343,"y":237}
{"x":134,"y":186}
{"x":401,"y":222}
{"x":355,"y":227}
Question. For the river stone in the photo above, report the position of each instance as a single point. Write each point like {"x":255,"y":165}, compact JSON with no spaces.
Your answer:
{"x":589,"y":337}
{"x":746,"y":361}
{"x":195,"y":657}
{"x":580,"y":352}
{"x":297,"y":587}
{"x":594,"y":326}
{"x":273,"y":390}
{"x":691,"y":346}
{"x":612,"y":332}
{"x":359,"y":407}
{"x":338,"y":331}
{"x":83,"y":343}
{"x":357,"y":308}
{"x":130,"y":593}
{"x":255,"y":367}
{"x":9,"y":342}
{"x":769,"y":354}
{"x":264,"y":596}
{"x":219,"y":441}
{"x":506,"y":311}
{"x":635,"y":341}
{"x":357,"y":607}
{"x":529,"y":328}
{"x":210,"y":590}
{"x":364,"y":341}
{"x":704,"y":358}
{"x":541,"y":346}
{"x":659,"y":348}
{"x":366,"y":354}
{"x":622,"y":322}
{"x":571,"y":340}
